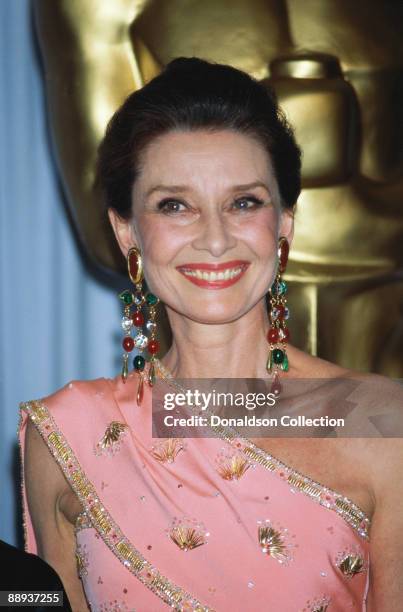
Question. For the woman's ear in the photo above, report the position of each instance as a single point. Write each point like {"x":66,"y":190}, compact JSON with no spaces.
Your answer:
{"x":286,"y":225}
{"x":123,"y":230}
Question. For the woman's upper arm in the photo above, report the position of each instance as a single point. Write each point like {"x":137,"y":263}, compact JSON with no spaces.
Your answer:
{"x":45,"y":486}
{"x":386,"y":544}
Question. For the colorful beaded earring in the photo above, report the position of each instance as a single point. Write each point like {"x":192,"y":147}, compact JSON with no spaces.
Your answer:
{"x":278,"y":334}
{"x":136,"y":321}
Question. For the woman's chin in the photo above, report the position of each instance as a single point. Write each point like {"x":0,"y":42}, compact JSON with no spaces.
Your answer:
{"x":213,"y":314}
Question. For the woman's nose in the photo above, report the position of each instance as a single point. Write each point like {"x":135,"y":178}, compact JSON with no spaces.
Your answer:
{"x":214,"y":234}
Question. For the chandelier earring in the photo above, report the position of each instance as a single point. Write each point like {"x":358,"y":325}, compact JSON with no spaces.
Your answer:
{"x":133,"y":323}
{"x":278,"y":334}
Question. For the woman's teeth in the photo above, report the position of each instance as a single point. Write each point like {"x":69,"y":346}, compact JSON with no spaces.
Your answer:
{"x":213,"y":276}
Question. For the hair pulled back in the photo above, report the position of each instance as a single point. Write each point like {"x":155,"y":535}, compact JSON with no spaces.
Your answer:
{"x":192,"y":94}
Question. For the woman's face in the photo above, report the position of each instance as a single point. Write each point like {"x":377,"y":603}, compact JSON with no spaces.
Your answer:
{"x":207,"y":217}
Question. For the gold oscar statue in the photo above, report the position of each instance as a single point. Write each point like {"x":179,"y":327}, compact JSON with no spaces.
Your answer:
{"x":337,"y":67}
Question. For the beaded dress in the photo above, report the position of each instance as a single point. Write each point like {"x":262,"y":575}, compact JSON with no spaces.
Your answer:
{"x":206,"y":524}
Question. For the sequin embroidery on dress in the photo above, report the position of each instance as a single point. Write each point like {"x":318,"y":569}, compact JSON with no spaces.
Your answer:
{"x":111,"y":441}
{"x":203,"y":529}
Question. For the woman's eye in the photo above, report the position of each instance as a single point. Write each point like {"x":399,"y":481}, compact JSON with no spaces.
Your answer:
{"x":248,"y":203}
{"x":170,"y":206}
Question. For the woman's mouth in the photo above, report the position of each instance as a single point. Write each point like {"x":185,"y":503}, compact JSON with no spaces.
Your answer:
{"x":214,"y":276}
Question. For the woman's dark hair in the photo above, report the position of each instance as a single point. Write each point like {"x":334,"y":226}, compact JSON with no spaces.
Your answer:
{"x":192,"y":94}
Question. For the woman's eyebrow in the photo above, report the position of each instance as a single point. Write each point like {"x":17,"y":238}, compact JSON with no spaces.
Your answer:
{"x":184,"y":188}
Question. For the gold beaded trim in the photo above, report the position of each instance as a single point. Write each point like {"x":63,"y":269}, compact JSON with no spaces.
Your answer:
{"x":114,"y":538}
{"x":328,"y":498}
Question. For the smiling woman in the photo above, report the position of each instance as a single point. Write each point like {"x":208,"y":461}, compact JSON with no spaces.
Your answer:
{"x":201,"y":174}
{"x":223,"y":220}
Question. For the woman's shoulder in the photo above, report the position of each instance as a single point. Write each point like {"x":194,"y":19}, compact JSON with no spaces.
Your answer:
{"x":75,"y":397}
{"x":311,"y":366}
{"x":73,"y":417}
{"x":375,"y":397}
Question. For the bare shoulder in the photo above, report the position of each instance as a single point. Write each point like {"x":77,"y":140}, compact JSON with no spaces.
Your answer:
{"x":374,"y":392}
{"x":378,"y":405}
{"x":373,"y":410}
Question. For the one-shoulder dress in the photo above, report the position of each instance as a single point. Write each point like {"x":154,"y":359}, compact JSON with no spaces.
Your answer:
{"x":205,"y":524}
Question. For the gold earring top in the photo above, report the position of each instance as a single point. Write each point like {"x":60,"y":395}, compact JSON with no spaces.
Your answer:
{"x":135,"y":265}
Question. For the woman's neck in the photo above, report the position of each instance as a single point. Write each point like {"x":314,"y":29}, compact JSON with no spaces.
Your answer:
{"x":232,"y":350}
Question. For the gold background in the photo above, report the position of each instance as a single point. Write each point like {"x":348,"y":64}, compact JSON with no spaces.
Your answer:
{"x":337,"y":68}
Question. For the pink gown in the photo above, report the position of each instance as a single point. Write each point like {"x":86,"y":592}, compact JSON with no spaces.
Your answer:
{"x":194,"y":524}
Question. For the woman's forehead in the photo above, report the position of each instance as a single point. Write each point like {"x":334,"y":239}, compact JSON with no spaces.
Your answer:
{"x":194,"y":158}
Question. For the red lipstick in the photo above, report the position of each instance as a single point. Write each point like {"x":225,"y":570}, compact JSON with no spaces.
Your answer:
{"x":214,"y":275}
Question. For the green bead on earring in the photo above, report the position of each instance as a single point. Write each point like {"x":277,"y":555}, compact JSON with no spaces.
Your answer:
{"x":139,"y":363}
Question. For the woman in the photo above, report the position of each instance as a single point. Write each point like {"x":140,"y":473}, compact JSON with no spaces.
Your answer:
{"x":201,"y":174}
